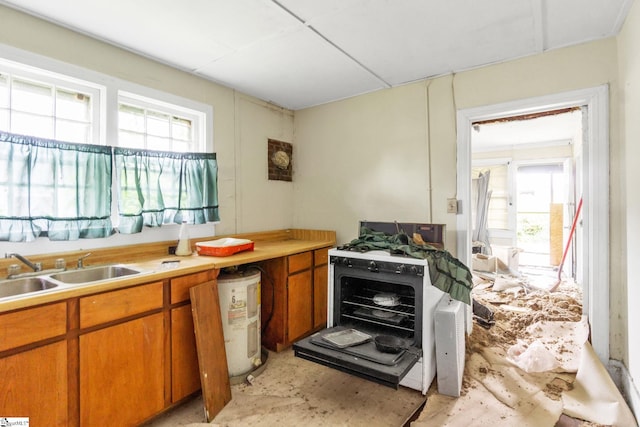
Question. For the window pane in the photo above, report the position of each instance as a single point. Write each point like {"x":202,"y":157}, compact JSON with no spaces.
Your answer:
{"x":164,"y":127}
{"x":156,"y":143}
{"x":27,"y":124}
{"x":181,"y":129}
{"x":131,"y":118}
{"x":4,"y":91}
{"x":73,"y":105}
{"x":4,"y":120}
{"x":182,"y":147}
{"x":73,"y":131}
{"x":130,"y":140}
{"x":32,"y":97}
{"x":158,"y":124}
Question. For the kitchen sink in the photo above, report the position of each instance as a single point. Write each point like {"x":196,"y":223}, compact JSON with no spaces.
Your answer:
{"x":26,"y":285}
{"x":94,"y":274}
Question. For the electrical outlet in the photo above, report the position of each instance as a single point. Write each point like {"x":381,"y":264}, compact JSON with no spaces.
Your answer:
{"x":452,"y":206}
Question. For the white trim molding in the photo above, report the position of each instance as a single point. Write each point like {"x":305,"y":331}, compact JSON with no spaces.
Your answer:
{"x":595,"y":184}
{"x":623,"y":381}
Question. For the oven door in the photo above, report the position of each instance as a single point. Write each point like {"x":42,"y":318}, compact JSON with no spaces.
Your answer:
{"x":362,"y":360}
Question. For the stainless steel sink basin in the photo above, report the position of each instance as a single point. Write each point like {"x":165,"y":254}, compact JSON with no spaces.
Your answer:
{"x":94,"y":274}
{"x":26,"y":285}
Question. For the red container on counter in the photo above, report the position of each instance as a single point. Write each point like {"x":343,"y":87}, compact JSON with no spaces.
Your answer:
{"x":224,"y":247}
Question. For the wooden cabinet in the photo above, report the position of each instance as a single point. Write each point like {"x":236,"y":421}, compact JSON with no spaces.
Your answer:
{"x":294,"y":301}
{"x":122,"y":366}
{"x":122,"y":372}
{"x":34,"y":385}
{"x":109,"y":306}
{"x":299,"y":295}
{"x":299,"y":305}
{"x":320,"y":287}
{"x":185,"y":375}
{"x":32,"y":325}
{"x":33,"y":365}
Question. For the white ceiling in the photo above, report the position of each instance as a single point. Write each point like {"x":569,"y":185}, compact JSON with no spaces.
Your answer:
{"x":300,"y":53}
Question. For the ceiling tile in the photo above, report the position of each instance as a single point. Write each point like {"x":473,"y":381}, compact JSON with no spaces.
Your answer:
{"x":574,"y":21}
{"x":413,"y":39}
{"x":294,"y":70}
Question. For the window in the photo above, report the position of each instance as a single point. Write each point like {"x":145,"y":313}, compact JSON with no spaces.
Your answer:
{"x":63,"y":124}
{"x":145,"y":123}
{"x":43,"y":104}
{"x":498,"y":212}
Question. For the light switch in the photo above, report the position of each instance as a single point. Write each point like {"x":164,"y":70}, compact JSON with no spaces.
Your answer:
{"x":452,"y":206}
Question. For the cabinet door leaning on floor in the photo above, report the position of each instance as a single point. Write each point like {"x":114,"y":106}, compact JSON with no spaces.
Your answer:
{"x":212,"y":358}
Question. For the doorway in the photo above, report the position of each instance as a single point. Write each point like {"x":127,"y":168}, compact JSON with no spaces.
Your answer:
{"x":528,"y":161}
{"x":591,"y":182}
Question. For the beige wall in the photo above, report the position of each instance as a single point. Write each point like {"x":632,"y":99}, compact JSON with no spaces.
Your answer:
{"x":370,"y":157}
{"x":628,"y":177}
{"x":241,"y":124}
{"x":391,"y":155}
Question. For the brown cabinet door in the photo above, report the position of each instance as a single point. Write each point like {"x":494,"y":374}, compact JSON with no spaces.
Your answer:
{"x":299,"y":304}
{"x":33,"y":384}
{"x":185,"y":376}
{"x":32,"y":325}
{"x":122,"y":373}
{"x":114,"y":305}
{"x":320,"y":285}
{"x":300,"y":262}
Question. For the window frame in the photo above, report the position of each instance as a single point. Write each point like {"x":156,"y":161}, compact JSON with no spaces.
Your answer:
{"x":198,"y":118}
{"x":58,"y":80}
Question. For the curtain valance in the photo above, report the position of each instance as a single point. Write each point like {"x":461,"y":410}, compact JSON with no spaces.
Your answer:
{"x":51,"y":188}
{"x":156,"y":188}
{"x":63,"y":190}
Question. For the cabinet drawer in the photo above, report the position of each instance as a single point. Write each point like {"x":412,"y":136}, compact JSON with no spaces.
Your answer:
{"x":96,"y":309}
{"x":33,"y":324}
{"x":300,"y":262}
{"x":320,"y":256}
{"x":180,"y":285}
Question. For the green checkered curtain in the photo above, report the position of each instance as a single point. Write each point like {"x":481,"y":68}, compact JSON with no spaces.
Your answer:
{"x":53,"y":188}
{"x":157,"y":187}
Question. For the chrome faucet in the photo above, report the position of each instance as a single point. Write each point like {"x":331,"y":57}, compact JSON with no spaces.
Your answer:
{"x":35,"y":266}
{"x":81,"y":260}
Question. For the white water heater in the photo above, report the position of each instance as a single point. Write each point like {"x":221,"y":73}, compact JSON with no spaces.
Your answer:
{"x":239,"y":295}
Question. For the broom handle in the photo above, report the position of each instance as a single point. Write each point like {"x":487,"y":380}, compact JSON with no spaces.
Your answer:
{"x":573,"y":228}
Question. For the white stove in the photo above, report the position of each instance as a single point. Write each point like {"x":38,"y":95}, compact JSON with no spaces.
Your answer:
{"x":355,"y":278}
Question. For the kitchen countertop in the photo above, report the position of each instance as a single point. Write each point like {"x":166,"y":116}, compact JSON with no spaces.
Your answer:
{"x":153,"y":268}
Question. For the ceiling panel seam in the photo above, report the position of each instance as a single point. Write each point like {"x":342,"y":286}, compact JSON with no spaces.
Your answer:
{"x":333,"y":44}
{"x":539,"y":10}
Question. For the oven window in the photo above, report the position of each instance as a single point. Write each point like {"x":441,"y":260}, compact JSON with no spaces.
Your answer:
{"x":378,"y":307}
